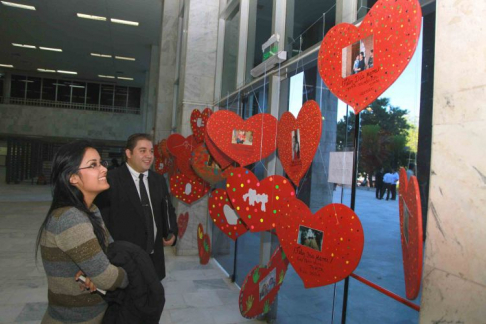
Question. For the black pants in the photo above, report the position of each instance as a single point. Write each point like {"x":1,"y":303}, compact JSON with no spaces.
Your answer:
{"x":380,"y":190}
{"x":393,"y":189}
{"x":388,"y":189}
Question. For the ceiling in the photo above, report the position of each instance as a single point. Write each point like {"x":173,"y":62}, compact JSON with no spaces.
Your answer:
{"x":55,"y":24}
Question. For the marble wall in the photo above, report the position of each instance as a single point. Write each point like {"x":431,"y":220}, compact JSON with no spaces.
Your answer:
{"x":454,"y":280}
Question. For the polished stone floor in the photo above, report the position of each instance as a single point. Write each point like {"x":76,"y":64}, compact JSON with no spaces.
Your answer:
{"x":194,"y":293}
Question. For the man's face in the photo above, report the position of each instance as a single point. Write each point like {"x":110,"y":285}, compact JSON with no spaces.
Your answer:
{"x":142,"y":156}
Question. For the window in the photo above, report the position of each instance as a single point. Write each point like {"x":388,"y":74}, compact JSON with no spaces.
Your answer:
{"x":107,"y":92}
{"x":121,"y":96}
{"x":364,"y":6}
{"x":1,"y":84}
{"x":33,"y":88}
{"x":78,"y":92}
{"x":230,"y":53}
{"x":93,"y":94}
{"x":63,"y":91}
{"x":49,"y":89}
{"x":134,"y":95}
{"x":18,"y":86}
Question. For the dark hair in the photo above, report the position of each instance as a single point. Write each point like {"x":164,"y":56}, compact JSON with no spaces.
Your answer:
{"x":134,"y":138}
{"x":66,"y":163}
{"x":411,"y":166}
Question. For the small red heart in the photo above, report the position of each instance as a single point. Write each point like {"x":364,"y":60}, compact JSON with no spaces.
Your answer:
{"x":261,"y":285}
{"x":298,"y":139}
{"x":223,"y":160}
{"x":224,"y":216}
{"x":256,"y":201}
{"x":182,"y":222}
{"x":205,"y":166}
{"x":244,"y":141}
{"x":181,"y":148}
{"x":324,"y":247}
{"x":187,"y":190}
{"x":391,"y":29}
{"x":203,"y":245}
{"x":198,"y":123}
{"x":411,"y":233}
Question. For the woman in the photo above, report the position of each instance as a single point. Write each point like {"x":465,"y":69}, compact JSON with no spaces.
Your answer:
{"x":73,"y":238}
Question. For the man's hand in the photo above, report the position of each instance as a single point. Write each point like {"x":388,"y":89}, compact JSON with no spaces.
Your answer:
{"x":87,"y":284}
{"x":170,"y":241}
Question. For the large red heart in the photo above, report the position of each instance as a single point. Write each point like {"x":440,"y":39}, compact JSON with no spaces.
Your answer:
{"x":261,"y":285}
{"x":411,"y":233}
{"x":203,"y":245}
{"x":182,"y":222}
{"x":324,"y":247}
{"x":198,"y":123}
{"x":244,"y":141}
{"x":223,"y":160}
{"x":181,"y":148}
{"x":205,"y":166}
{"x":224,"y":216}
{"x":298,"y":139}
{"x":391,"y":29}
{"x":256,"y":201}
{"x":187,"y":190}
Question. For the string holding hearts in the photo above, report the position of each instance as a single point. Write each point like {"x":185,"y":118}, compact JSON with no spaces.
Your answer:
{"x":244,"y":141}
{"x":198,"y":123}
{"x":411,"y":233}
{"x":224,"y":216}
{"x":187,"y":190}
{"x":181,"y":148}
{"x":256,"y":201}
{"x":182,"y":222}
{"x":324,"y":247}
{"x":388,"y":35}
{"x":261,"y":285}
{"x":203,"y":245}
{"x":298,"y":139}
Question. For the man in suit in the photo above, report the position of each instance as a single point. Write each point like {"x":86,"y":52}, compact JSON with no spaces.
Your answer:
{"x":137,"y":208}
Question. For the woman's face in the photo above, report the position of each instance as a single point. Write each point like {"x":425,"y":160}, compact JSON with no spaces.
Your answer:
{"x":91,"y":177}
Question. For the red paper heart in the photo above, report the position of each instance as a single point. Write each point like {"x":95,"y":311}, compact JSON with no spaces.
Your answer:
{"x":261,"y":285}
{"x":392,"y":29}
{"x":256,"y":201}
{"x":203,"y":245}
{"x":244,"y":141}
{"x":324,"y":247}
{"x":181,"y":148}
{"x":223,"y":160}
{"x":411,"y":233}
{"x":298,"y":140}
{"x":205,"y":166}
{"x":182,"y":222}
{"x":198,"y":123}
{"x":187,"y":190}
{"x":224,"y":216}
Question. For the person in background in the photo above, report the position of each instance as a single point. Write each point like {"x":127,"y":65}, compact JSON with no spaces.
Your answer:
{"x":387,"y":182}
{"x":370,"y":60}
{"x":379,"y":184}
{"x":114,"y":164}
{"x":411,"y":170}
{"x":393,"y":185}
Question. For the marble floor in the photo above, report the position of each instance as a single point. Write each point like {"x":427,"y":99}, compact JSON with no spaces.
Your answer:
{"x":194,"y":293}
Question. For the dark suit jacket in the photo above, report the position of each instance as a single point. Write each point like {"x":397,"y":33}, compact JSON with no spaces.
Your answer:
{"x":122,"y":212}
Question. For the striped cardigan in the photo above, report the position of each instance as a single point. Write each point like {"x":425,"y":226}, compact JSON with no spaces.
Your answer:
{"x":68,"y":244}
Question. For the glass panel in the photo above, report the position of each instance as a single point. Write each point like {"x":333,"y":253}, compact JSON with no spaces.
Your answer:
{"x":230,"y":53}
{"x":93,"y":94}
{"x":259,"y":31}
{"x":134,"y":96}
{"x":1,"y":84}
{"x":33,"y":88}
{"x":49,"y":89}
{"x":307,"y":25}
{"x":18,"y":86}
{"x":63,"y":91}
{"x":121,"y":96}
{"x":364,"y":6}
{"x":79,"y":92}
{"x":107,"y":94}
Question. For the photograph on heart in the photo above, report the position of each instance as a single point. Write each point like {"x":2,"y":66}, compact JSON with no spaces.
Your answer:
{"x":211,"y":163}
{"x":296,"y":147}
{"x":242,"y":137}
{"x":268,"y":283}
{"x":357,"y":57}
{"x":310,"y":238}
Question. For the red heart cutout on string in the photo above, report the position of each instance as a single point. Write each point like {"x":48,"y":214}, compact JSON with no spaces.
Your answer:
{"x":256,"y":201}
{"x":181,"y":148}
{"x":223,"y":160}
{"x":182,"y":222}
{"x":244,"y":141}
{"x":224,"y":216}
{"x":198,"y":123}
{"x":391,"y":29}
{"x":187,"y":190}
{"x":411,"y":233}
{"x":298,"y":140}
{"x":261,"y":285}
{"x":324,"y":247}
{"x":205,"y":166}
{"x":203,"y":245}
{"x":163,"y":160}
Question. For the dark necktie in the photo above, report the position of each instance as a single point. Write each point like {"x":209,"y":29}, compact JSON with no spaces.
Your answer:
{"x":147,"y":212}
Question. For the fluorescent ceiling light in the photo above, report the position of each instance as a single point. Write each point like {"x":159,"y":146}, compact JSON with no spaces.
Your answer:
{"x":46,"y":70}
{"x":17,"y":5}
{"x":125,"y":58}
{"x":50,"y":49}
{"x":125,"y":78}
{"x":101,"y":55}
{"x":66,"y":72}
{"x":7,"y":65}
{"x":106,"y":76}
{"x":27,"y":81}
{"x":124,"y":22}
{"x":76,"y":86}
{"x":80,"y":15}
{"x":24,"y":45}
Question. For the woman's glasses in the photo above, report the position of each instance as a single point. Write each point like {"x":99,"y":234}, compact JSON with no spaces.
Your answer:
{"x":96,"y":165}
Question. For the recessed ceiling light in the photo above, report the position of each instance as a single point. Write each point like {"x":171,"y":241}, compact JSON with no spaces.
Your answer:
{"x":50,"y":49}
{"x":125,"y":78}
{"x":106,"y":76}
{"x":101,"y":55}
{"x":17,"y":5}
{"x":46,"y":70}
{"x":80,"y":15}
{"x":125,"y":58}
{"x":124,"y":22}
{"x":24,"y":45}
{"x":66,"y":72}
{"x":7,"y":65}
